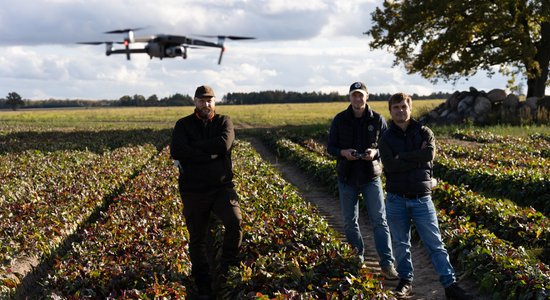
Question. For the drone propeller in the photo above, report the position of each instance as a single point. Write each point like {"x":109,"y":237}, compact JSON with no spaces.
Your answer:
{"x":221,"y":40}
{"x":99,"y":43}
{"x":124,"y":30}
{"x":129,"y":37}
{"x":231,"y":37}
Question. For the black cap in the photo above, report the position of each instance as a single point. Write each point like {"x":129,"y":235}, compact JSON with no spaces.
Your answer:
{"x":358,"y":87}
{"x":204,"y":91}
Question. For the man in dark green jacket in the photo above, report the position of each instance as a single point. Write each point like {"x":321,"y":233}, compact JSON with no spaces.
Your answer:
{"x":201,"y":146}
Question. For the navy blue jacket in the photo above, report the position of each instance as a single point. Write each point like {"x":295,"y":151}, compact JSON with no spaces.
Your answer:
{"x":194,"y":141}
{"x":348,"y":132}
{"x":407,"y":157}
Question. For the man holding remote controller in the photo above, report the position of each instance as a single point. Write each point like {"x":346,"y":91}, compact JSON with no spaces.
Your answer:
{"x":353,"y":140}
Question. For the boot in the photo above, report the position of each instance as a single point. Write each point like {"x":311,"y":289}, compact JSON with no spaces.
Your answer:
{"x":457,"y":293}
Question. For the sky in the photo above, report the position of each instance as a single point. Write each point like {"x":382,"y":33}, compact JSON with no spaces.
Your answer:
{"x":300,"y":46}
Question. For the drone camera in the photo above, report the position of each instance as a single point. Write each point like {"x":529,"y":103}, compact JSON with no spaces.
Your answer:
{"x":175,"y":51}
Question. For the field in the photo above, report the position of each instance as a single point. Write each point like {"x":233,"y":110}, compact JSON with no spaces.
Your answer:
{"x":90,"y":209}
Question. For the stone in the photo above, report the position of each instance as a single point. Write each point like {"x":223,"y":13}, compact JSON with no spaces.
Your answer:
{"x":511,"y":102}
{"x":453,"y":117}
{"x":452,"y":102}
{"x":532,"y":102}
{"x":465,"y":104}
{"x":469,"y":99}
{"x":496,"y":95}
{"x":482,"y":106}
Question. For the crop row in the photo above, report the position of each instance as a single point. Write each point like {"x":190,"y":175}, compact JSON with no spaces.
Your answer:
{"x":525,"y":186}
{"x":498,"y":265}
{"x":502,"y":157}
{"x":97,"y":141}
{"x":523,"y":227}
{"x":44,"y":197}
{"x":535,"y":144}
{"x":137,"y":247}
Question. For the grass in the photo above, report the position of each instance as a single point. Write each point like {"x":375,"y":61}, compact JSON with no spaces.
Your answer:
{"x":503,"y":130}
{"x":308,"y":115}
{"x":244,"y":116}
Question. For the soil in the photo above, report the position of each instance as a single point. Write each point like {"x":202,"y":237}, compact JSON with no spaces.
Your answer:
{"x":426,"y":281}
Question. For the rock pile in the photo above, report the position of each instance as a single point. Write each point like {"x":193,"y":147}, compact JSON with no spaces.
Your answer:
{"x":493,"y":107}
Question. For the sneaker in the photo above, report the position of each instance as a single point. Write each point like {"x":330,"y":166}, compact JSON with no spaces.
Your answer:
{"x":389,"y":272}
{"x":455,"y":292}
{"x":403,"y":289}
{"x":361,"y":263}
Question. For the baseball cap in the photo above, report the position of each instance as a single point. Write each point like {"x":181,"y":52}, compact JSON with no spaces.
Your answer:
{"x":358,"y":87}
{"x":204,"y":91}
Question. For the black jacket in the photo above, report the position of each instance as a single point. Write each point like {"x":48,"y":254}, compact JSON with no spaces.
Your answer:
{"x":194,"y":141}
{"x":348,"y":132}
{"x":411,"y":172}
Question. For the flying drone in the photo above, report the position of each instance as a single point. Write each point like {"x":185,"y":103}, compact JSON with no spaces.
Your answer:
{"x":163,"y":45}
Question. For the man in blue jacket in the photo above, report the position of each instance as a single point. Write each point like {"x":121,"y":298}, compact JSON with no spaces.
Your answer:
{"x":407,"y":150}
{"x":202,"y":144}
{"x":353,"y":140}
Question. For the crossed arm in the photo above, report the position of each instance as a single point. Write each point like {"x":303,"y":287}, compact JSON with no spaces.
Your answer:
{"x":394,"y":161}
{"x":187,"y":151}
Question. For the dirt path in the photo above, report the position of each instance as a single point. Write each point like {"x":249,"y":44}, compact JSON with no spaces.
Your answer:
{"x":426,"y":282}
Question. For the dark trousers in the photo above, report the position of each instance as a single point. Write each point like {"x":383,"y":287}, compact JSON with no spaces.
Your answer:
{"x":223,"y":202}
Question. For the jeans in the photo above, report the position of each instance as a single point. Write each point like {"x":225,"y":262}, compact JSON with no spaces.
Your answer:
{"x":402,"y":213}
{"x":374,"y":202}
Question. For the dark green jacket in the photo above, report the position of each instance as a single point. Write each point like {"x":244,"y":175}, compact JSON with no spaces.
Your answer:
{"x":193,"y":144}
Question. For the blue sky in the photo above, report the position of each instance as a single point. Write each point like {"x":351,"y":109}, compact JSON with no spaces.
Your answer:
{"x":302,"y":46}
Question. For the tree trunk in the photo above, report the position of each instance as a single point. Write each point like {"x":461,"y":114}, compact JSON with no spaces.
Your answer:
{"x":536,"y":85}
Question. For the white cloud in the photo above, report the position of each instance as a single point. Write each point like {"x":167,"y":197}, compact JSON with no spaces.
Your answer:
{"x":311,"y":45}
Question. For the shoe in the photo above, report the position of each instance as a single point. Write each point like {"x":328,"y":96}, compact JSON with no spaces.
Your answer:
{"x":389,"y":272}
{"x":361,"y":263}
{"x":455,"y":292}
{"x":403,"y":289}
{"x":204,"y":289}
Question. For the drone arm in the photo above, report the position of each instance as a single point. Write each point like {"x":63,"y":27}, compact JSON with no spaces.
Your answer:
{"x":124,"y":51}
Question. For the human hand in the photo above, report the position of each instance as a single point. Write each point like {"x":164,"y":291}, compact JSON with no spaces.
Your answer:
{"x":349,"y":154}
{"x":370,"y":154}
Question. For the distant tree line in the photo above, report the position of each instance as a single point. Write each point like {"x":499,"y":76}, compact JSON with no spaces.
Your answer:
{"x":15,"y":101}
{"x":281,"y":96}
{"x":139,"y":100}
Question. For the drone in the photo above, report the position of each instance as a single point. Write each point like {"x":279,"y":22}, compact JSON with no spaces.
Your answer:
{"x":162,"y":45}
